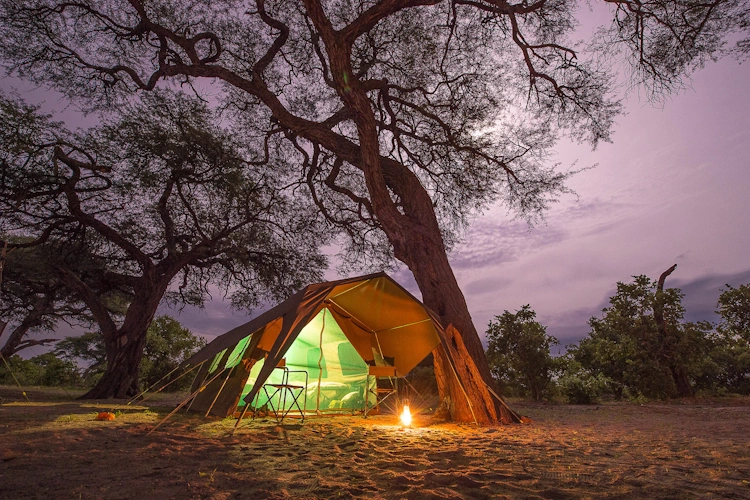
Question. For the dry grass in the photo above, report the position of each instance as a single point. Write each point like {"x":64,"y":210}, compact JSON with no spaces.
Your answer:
{"x":54,"y":448}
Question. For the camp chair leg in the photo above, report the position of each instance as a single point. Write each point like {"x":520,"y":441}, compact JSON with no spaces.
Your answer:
{"x":281,"y":389}
{"x":380,"y":372}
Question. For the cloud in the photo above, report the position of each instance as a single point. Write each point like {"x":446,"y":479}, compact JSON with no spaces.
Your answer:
{"x":702,"y":294}
{"x":486,"y":285}
{"x":571,"y":326}
{"x":489,"y":243}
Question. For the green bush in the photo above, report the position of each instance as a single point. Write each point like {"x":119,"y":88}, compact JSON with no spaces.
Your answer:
{"x":45,"y":369}
{"x":579,"y":386}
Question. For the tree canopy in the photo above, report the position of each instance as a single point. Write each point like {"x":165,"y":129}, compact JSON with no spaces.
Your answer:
{"x":156,"y":196}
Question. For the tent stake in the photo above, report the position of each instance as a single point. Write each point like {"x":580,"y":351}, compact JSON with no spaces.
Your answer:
{"x":242,"y":415}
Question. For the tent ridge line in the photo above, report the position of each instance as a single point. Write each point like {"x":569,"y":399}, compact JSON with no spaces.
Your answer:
{"x":350,"y":289}
{"x":404,"y":326}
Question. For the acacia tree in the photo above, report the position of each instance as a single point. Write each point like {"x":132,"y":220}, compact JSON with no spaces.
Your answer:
{"x":160,"y":196}
{"x":405,"y":115}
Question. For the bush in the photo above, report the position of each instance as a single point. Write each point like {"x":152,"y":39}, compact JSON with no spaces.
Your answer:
{"x":45,"y":369}
{"x":579,"y":386}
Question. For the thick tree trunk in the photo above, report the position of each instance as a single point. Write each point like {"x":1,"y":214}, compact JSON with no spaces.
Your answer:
{"x":125,"y":346}
{"x":467,"y":383}
{"x":681,"y":380}
{"x":120,"y":380}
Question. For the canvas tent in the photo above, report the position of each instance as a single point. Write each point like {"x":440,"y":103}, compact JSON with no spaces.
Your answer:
{"x":326,"y":336}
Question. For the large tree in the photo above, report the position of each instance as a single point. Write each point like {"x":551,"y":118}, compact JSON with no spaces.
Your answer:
{"x":168,"y":203}
{"x":405,"y":115}
{"x":642,"y":343}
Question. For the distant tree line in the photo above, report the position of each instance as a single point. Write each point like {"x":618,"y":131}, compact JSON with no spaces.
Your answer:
{"x":640,"y":348}
{"x":80,"y":361}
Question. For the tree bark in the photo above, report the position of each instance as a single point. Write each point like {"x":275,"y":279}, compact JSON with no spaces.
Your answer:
{"x":120,"y":380}
{"x":125,"y":344}
{"x":467,"y":385}
{"x":681,"y":380}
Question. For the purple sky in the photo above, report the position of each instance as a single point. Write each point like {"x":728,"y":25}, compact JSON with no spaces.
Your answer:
{"x":674,"y":187}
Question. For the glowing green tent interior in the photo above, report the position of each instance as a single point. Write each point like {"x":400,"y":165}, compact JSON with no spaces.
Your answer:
{"x":326,"y":337}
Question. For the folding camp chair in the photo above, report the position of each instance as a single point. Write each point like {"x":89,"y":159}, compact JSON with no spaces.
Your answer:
{"x":286,"y":391}
{"x":381,"y":393}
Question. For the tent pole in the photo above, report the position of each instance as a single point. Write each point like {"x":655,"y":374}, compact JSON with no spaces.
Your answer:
{"x":320,"y":360}
{"x":503,"y":402}
{"x":219,"y":391}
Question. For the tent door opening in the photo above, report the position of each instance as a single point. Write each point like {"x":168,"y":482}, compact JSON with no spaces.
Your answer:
{"x":324,"y":361}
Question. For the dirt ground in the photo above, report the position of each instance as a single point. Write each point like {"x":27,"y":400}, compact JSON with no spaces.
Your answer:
{"x":53,"y":447}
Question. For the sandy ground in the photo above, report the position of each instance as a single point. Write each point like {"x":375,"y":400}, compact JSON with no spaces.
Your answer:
{"x":54,"y":448}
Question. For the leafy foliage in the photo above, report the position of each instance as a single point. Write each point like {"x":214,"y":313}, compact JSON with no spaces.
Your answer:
{"x":626,"y":346}
{"x":44,"y":369}
{"x":734,"y":338}
{"x":518,"y":351}
{"x":168,"y":344}
{"x":580,"y":386}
